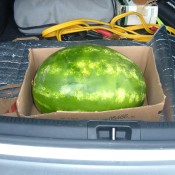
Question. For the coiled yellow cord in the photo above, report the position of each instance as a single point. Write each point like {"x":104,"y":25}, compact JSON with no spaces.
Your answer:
{"x":82,"y":24}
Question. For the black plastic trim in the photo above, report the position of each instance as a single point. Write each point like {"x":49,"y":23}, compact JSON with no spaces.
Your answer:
{"x":85,"y":130}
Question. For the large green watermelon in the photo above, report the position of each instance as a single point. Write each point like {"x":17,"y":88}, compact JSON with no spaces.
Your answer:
{"x":88,"y":78}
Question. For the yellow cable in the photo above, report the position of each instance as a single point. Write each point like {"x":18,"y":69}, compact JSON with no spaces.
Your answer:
{"x":84,"y":24}
{"x":135,"y":37}
{"x":50,"y":32}
{"x":115,"y":19}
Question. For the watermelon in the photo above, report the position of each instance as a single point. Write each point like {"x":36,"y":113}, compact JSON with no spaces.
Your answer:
{"x":88,"y":78}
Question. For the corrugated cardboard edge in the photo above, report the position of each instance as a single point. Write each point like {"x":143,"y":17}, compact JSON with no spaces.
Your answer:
{"x":106,"y":115}
{"x":23,"y":84}
{"x":10,"y":86}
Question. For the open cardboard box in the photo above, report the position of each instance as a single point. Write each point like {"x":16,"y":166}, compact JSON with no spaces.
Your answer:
{"x":141,"y":55}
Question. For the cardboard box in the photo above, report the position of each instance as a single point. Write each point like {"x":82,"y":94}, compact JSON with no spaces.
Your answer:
{"x":149,"y":13}
{"x":8,"y":104}
{"x":141,"y":55}
{"x":8,"y":107}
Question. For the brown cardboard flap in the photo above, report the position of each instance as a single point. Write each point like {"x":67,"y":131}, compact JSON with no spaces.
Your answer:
{"x":26,"y":39}
{"x":10,"y":86}
{"x":146,"y":113}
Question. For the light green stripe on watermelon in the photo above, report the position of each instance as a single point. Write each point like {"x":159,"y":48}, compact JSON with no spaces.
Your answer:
{"x":88,"y":78}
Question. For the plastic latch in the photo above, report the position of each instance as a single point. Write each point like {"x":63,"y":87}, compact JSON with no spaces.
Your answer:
{"x":113,"y":130}
{"x":114,"y":133}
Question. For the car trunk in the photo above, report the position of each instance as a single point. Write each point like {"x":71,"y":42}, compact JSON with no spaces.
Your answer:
{"x":81,"y":146}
